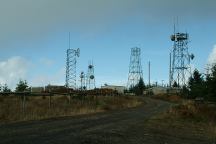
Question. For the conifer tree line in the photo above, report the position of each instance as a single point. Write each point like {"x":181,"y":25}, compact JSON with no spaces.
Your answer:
{"x":21,"y":86}
{"x":203,"y":85}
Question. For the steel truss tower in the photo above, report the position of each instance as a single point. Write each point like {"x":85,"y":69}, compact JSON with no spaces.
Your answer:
{"x":180,"y":58}
{"x":82,"y":81}
{"x":90,"y":78}
{"x":72,"y":54}
{"x":135,"y":68}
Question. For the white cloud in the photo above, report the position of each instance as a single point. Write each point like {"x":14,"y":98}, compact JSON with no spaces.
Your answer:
{"x":212,"y":56}
{"x":13,"y":69}
{"x":56,"y":78}
{"x":47,"y":62}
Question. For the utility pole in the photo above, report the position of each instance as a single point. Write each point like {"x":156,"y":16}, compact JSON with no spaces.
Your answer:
{"x":149,"y":70}
{"x":170,"y":71}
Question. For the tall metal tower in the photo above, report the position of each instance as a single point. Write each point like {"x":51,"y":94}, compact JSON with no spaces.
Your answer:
{"x":82,"y":81}
{"x":90,"y":79}
{"x":135,"y":67}
{"x":180,"y":58}
{"x":72,"y":54}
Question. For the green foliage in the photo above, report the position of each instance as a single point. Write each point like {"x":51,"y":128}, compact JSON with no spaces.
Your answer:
{"x":196,"y":85}
{"x":5,"y":88}
{"x":175,"y":85}
{"x":21,"y":86}
{"x":200,"y":87}
{"x":185,"y":92}
{"x":211,"y":84}
{"x":139,"y":88}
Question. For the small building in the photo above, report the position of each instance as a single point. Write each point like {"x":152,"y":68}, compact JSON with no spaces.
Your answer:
{"x":174,"y":90}
{"x":56,"y":88}
{"x":156,"y":90}
{"x":119,"y":89}
{"x":37,"y":89}
{"x":162,"y":90}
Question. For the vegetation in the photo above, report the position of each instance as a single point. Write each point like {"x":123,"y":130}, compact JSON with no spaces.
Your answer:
{"x":22,"y":86}
{"x":37,"y":107}
{"x":5,"y":88}
{"x":175,"y":84}
{"x":196,"y":85}
{"x":187,"y":120}
{"x":203,"y":87}
{"x":139,"y":88}
{"x":171,"y":98}
{"x":211,"y":84}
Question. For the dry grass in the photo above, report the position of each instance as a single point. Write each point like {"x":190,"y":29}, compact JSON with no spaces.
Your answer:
{"x":202,"y":114}
{"x":189,"y":119}
{"x":170,"y":98}
{"x":38,"y":107}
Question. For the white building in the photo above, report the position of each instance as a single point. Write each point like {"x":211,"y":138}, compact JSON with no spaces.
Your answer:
{"x":119,"y":89}
{"x":163,"y":90}
{"x":159,"y":90}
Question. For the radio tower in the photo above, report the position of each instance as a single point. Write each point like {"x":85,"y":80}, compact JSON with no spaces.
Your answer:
{"x":82,"y":81}
{"x":180,"y":58}
{"x":71,"y":61}
{"x":90,"y":80}
{"x":135,"y":68}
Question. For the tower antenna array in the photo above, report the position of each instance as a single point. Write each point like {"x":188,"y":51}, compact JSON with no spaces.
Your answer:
{"x":180,"y":58}
{"x":90,"y":80}
{"x":135,"y":68}
{"x":71,"y":61}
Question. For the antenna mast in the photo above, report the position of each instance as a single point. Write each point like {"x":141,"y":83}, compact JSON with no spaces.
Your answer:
{"x":135,"y":68}
{"x":71,"y":61}
{"x":180,"y":68}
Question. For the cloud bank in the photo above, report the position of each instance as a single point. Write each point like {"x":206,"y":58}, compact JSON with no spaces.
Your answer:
{"x":29,"y":21}
{"x":13,"y":69}
{"x":212,"y":56}
{"x":56,"y":78}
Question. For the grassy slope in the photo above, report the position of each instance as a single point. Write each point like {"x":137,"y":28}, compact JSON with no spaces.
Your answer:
{"x":186,"y":120}
{"x":38,"y":107}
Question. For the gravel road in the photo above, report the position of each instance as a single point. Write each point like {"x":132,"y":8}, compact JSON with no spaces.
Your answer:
{"x":122,"y":127}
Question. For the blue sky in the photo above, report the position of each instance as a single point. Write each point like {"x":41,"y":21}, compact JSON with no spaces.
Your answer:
{"x":34,"y":37}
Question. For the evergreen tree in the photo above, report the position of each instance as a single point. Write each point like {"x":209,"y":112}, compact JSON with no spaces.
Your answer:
{"x":21,"y":86}
{"x":139,"y":88}
{"x":211,"y":83}
{"x":175,"y":84}
{"x":5,"y":88}
{"x":196,"y":85}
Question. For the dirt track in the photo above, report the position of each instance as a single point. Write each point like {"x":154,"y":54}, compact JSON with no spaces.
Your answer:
{"x":122,"y":127}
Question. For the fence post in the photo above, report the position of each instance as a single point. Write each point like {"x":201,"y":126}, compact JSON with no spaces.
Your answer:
{"x":23,"y":103}
{"x":50,"y":98}
{"x":70,"y":97}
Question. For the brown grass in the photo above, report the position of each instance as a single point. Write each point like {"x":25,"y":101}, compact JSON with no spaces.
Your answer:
{"x":189,"y":117}
{"x":200,"y":114}
{"x":37,"y":107}
{"x":170,"y":98}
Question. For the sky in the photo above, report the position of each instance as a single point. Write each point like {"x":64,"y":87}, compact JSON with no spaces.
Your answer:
{"x":34,"y":37}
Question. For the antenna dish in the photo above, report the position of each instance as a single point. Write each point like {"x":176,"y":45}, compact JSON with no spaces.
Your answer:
{"x":82,"y":75}
{"x":90,"y":66}
{"x":172,"y":37}
{"x":91,"y":76}
{"x":192,"y":56}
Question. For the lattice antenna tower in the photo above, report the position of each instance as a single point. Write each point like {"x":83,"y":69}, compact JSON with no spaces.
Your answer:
{"x":71,"y":61}
{"x":135,"y":68}
{"x":180,"y":68}
{"x":82,"y":81}
{"x":90,"y":80}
